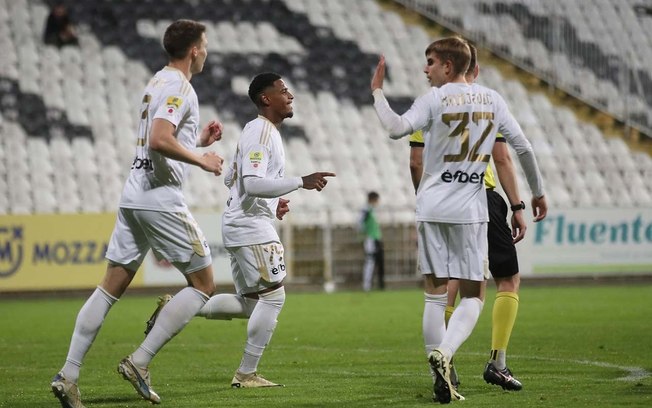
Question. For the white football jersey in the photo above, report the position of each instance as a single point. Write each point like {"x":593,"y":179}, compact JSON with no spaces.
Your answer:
{"x":155,"y":181}
{"x":460,"y":123}
{"x":248,"y":220}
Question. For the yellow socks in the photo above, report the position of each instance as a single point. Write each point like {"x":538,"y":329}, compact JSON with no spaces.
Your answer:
{"x":502,"y":323}
{"x":448,"y":314}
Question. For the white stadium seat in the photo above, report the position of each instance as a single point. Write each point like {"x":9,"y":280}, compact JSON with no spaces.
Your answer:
{"x":92,"y":86}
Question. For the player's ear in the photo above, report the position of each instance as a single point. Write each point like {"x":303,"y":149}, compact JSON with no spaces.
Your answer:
{"x":265,"y":99}
{"x":448,"y":67}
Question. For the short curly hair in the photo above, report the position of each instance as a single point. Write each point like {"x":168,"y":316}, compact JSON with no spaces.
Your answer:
{"x":259,"y":84}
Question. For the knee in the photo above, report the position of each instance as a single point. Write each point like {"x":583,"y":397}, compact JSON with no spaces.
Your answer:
{"x":248,"y":305}
{"x":275,"y":298}
{"x":207,"y":288}
{"x":510,"y":284}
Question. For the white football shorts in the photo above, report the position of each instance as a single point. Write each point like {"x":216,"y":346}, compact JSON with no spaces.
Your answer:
{"x":173,"y":236}
{"x":453,"y":250}
{"x":257,"y":267}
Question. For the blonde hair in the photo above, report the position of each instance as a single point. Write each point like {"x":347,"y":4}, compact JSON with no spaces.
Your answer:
{"x":453,"y":49}
{"x":473,"y":62}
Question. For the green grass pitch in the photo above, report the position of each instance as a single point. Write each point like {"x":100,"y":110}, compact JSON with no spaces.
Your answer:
{"x":588,"y":346}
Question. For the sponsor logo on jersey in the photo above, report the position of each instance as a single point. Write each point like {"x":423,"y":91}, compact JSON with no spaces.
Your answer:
{"x":174,"y":102}
{"x":462,"y":177}
{"x":142,"y":163}
{"x":255,"y":158}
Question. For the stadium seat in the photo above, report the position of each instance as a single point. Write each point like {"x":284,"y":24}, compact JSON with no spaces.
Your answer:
{"x":90,"y":87}
{"x":44,"y":202}
{"x":559,"y":197}
{"x":594,"y":38}
{"x":641,"y":198}
{"x":20,"y":198}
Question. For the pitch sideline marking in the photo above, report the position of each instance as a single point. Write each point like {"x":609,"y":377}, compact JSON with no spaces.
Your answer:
{"x":634,"y":373}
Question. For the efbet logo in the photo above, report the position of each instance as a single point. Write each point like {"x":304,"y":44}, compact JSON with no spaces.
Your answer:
{"x":142,"y":163}
{"x":11,"y":250}
{"x":462,"y":177}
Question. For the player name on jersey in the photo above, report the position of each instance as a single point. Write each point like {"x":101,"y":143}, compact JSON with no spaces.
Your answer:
{"x":467,"y":98}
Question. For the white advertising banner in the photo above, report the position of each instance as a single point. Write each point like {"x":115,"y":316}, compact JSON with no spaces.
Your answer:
{"x":162,"y":273}
{"x":589,"y":241}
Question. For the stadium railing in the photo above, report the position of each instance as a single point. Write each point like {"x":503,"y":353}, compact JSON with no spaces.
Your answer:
{"x":539,"y":38}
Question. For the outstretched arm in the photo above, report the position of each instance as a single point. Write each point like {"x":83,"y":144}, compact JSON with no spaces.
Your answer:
{"x":272,"y":188}
{"x":316,"y":181}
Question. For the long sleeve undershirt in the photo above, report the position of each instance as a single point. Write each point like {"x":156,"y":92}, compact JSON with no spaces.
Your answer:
{"x":271,"y":188}
{"x":532,"y":174}
{"x":395,"y":124}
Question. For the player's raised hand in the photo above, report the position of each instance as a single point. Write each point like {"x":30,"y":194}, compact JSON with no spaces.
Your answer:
{"x":212,"y":163}
{"x":211,"y":133}
{"x":379,"y":74}
{"x":539,"y":208}
{"x":518,"y":226}
{"x":316,"y":181}
{"x":282,"y":208}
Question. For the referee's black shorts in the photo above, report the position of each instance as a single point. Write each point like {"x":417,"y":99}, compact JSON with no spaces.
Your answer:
{"x":503,"y":262}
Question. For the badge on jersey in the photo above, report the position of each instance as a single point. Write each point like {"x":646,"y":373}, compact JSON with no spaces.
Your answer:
{"x":255,"y":158}
{"x":173,"y":103}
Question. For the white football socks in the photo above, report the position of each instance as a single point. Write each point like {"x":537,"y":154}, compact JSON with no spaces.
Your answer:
{"x":173,"y":318}
{"x":434,"y":325}
{"x":227,"y":306}
{"x":461,"y":325}
{"x":88,"y":324}
{"x":500,"y":360}
{"x":260,"y":328}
